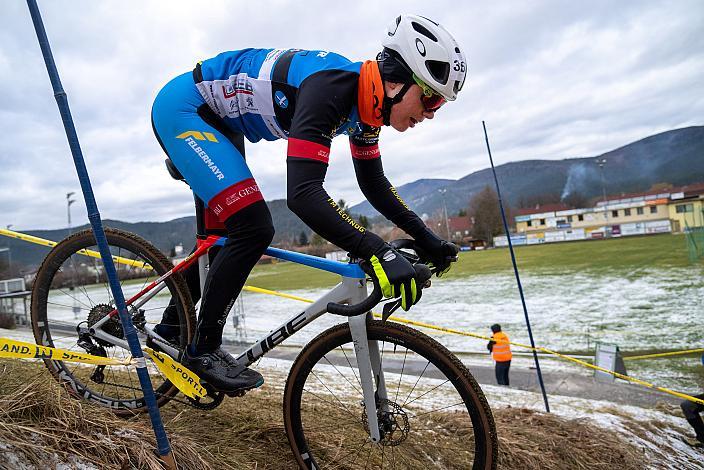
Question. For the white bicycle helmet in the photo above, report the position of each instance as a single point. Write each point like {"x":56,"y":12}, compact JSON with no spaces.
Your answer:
{"x":430,"y":52}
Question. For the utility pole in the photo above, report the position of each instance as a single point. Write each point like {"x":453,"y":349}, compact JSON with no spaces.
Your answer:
{"x":444,"y":209}
{"x":9,"y":255}
{"x":69,"y":201}
{"x":601,"y":162}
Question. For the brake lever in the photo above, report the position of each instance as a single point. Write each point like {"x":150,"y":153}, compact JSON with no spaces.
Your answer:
{"x":389,"y":308}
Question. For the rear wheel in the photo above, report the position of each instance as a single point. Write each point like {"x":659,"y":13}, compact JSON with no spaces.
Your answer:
{"x":435,"y":415}
{"x":71,"y":291}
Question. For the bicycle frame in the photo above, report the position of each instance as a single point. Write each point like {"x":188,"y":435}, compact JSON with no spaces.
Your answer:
{"x":352,"y":289}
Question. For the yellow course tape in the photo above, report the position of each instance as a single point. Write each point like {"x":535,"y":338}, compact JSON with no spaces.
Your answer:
{"x":259,"y":290}
{"x":20,"y":350}
{"x":185,"y":380}
{"x":91,"y":253}
{"x":672,"y":353}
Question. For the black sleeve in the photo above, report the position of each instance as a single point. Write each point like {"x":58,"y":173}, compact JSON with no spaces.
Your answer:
{"x":323,"y":102}
{"x":383,"y":196}
{"x":308,"y":199}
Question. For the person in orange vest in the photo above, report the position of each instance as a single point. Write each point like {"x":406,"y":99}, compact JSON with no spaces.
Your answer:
{"x":501,"y":353}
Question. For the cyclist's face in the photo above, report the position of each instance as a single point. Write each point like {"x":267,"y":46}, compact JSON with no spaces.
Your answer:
{"x":410,"y":111}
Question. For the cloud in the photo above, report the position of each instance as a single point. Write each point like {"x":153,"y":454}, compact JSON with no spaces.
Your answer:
{"x":552,"y":80}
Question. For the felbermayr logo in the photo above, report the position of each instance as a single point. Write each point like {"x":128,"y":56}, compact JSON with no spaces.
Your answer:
{"x":198,"y":136}
{"x":281,"y":99}
{"x":201,"y":153}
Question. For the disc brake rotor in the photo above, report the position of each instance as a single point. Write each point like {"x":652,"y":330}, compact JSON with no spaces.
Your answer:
{"x":393,"y":424}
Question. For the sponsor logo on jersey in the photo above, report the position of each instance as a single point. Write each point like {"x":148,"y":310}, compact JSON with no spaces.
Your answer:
{"x":395,"y":193}
{"x":204,"y":156}
{"x":198,"y":136}
{"x":281,"y":99}
{"x":345,"y":216}
{"x":241,"y":85}
{"x":244,"y":192}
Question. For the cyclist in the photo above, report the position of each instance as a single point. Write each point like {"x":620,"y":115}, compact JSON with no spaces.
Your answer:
{"x":307,"y":97}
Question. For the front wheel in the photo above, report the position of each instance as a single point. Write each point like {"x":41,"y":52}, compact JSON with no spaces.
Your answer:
{"x":435,"y":414}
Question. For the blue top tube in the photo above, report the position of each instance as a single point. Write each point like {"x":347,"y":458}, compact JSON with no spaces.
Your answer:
{"x":343,"y":269}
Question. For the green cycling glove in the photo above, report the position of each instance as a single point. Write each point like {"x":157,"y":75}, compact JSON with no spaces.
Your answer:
{"x":396,"y":276}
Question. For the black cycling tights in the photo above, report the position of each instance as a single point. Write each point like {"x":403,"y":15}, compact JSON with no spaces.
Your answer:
{"x":249,"y":233}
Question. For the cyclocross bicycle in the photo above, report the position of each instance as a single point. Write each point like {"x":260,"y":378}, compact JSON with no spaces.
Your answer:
{"x":363,"y":394}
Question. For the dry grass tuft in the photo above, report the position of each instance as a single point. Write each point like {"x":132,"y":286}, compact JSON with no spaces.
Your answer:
{"x":41,"y":423}
{"x":532,"y":440}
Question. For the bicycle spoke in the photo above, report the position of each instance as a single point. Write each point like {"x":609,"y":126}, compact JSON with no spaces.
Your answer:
{"x":416,"y":384}
{"x":341,"y":406}
{"x":436,"y":410}
{"x":343,"y":375}
{"x":403,"y":366}
{"x":425,"y":393}
{"x":352,"y":368}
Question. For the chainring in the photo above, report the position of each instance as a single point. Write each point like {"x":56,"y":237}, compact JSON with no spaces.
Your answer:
{"x":209,"y":402}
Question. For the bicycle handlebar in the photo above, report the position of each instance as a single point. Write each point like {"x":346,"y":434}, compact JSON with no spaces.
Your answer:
{"x":423,"y":275}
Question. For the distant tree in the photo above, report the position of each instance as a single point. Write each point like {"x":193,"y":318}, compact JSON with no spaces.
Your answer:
{"x":303,"y":238}
{"x":462,"y":213}
{"x":317,"y":240}
{"x":484,"y":210}
{"x":343,"y":205}
{"x":364,"y":221}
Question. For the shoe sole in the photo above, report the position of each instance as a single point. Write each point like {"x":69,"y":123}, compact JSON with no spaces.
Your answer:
{"x":243,"y":390}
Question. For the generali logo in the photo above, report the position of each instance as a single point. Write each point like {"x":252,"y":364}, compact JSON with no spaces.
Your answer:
{"x":198,"y":136}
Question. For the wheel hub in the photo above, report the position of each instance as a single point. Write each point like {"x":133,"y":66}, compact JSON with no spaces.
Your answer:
{"x":393,"y":424}
{"x":111,"y":327}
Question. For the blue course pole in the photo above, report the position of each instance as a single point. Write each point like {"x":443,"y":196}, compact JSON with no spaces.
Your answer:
{"x":163,"y":447}
{"x":515,"y":270}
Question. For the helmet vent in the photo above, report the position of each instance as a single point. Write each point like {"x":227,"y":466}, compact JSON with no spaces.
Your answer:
{"x":439,"y":70}
{"x":428,"y":19}
{"x":424,"y":31}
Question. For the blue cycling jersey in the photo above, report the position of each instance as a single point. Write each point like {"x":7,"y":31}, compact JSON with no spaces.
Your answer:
{"x":255,"y":91}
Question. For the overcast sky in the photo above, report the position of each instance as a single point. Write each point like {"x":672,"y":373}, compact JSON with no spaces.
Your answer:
{"x":552,"y":79}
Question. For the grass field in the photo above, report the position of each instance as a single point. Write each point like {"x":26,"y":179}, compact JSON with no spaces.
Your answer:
{"x":619,"y":255}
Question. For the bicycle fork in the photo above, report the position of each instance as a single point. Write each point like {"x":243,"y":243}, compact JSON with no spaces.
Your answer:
{"x":371,"y":374}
